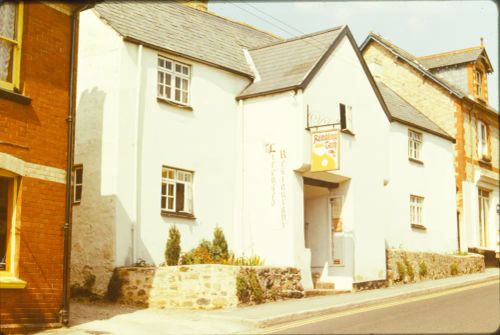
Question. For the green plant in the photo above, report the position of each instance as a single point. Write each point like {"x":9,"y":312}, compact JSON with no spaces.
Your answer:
{"x":114,"y":286}
{"x":409,"y":269}
{"x":242,"y":289}
{"x":248,"y":288}
{"x":401,"y":271}
{"x":454,"y":269}
{"x":199,"y":255}
{"x":243,"y":261}
{"x":173,"y":248}
{"x":461,"y":253}
{"x":218,"y":250}
{"x":422,"y":269}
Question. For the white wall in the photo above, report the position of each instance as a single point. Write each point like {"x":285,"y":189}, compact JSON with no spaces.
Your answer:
{"x":204,"y":140}
{"x":96,"y":134}
{"x":434,"y":181}
{"x":362,"y":156}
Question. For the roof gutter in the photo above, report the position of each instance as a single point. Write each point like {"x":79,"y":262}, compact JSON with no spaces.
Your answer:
{"x":154,"y":47}
{"x":427,"y":130}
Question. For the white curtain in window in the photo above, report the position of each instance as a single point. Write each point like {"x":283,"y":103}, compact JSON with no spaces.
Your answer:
{"x":7,"y":25}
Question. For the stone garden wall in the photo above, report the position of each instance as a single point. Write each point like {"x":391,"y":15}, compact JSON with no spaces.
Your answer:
{"x":205,"y":286}
{"x":405,"y":266}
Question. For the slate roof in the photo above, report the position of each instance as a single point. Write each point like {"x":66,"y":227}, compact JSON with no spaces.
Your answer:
{"x":412,"y":60}
{"x":287,"y":64}
{"x":183,"y":30}
{"x":403,"y":111}
{"x":454,"y":58}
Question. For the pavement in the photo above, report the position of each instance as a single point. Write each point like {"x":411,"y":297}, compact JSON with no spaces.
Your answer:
{"x":101,"y":318}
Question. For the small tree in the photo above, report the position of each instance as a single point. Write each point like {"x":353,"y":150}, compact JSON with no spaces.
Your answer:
{"x":173,"y":248}
{"x":219,"y":246}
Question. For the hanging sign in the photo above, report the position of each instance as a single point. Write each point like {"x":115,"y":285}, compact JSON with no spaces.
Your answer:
{"x":325,"y":150}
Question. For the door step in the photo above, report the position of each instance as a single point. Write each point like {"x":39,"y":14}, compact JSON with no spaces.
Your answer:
{"x":324,"y":286}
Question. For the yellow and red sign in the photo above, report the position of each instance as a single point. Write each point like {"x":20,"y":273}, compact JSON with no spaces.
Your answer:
{"x":325,"y":150}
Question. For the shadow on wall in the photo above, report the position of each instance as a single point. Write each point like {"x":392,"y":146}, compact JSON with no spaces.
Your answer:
{"x":98,"y":242}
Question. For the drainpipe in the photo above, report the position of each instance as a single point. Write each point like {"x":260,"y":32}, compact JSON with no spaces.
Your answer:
{"x":138,"y":157}
{"x":64,"y":312}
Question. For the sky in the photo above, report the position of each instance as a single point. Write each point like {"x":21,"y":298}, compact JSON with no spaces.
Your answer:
{"x":419,"y":27}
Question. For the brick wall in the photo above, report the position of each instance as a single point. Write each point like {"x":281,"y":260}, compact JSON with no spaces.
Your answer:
{"x":36,"y":133}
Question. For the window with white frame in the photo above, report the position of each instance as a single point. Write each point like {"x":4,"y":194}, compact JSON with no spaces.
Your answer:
{"x":416,"y":210}
{"x":173,"y":80}
{"x":482,"y":140}
{"x":176,"y":190}
{"x":478,"y":83}
{"x":414,"y":144}
{"x":77,"y":183}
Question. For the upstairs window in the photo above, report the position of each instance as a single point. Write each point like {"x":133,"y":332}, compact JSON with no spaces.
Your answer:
{"x":176,"y":190}
{"x":11,"y":14}
{"x":346,"y":118}
{"x":414,"y":144}
{"x":173,"y":81}
{"x":416,"y":210}
{"x":482,"y":141}
{"x":77,"y":183}
{"x":478,"y":81}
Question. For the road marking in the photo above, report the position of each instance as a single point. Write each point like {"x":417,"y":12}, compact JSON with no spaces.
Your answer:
{"x":335,"y":315}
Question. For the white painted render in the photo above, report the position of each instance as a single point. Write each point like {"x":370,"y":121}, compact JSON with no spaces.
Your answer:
{"x":248,"y":158}
{"x":434,"y":180}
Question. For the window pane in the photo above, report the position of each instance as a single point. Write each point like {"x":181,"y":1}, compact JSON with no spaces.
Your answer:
{"x":163,"y":203}
{"x":168,"y":64}
{"x":179,"y":197}
{"x":168,"y":79}
{"x":161,"y":77}
{"x":177,"y":95}
{"x":6,"y":58}
{"x":184,"y":97}
{"x":177,"y":82}
{"x":163,"y":189}
{"x":171,"y":174}
{"x":178,"y":68}
{"x":170,"y":203}
{"x":78,"y":193}
{"x":185,"y":70}
{"x":79,"y":175}
{"x":170,"y":189}
{"x":184,"y":84}
{"x":160,"y":91}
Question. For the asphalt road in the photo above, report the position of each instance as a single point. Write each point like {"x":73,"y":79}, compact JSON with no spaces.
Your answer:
{"x":469,"y":311}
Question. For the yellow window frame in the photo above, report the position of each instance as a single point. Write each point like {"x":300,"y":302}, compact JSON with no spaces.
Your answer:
{"x":16,"y":54}
{"x":9,"y":276}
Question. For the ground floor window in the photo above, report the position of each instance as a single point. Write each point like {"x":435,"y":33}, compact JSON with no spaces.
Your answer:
{"x":176,"y":190}
{"x":416,"y":210}
{"x":7,"y":196}
{"x":484,"y":205}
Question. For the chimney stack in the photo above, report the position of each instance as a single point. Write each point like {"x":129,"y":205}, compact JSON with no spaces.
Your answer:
{"x":197,"y":4}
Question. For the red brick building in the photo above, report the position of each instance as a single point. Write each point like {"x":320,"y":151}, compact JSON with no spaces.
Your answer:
{"x":37,"y":48}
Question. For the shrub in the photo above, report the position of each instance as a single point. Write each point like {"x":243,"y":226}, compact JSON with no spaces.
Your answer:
{"x":243,"y":261}
{"x":454,"y":269}
{"x":401,"y":271}
{"x":199,"y":255}
{"x":173,"y":248}
{"x":218,"y":250}
{"x":422,"y":269}
{"x":409,"y":269}
{"x":248,"y":288}
{"x":114,"y":286}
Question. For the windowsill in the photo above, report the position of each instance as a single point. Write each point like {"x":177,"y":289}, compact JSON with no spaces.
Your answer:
{"x":347,"y":131}
{"x":418,"y":226}
{"x":417,"y":161}
{"x":178,"y":215}
{"x":16,"y":97}
{"x":173,"y":103}
{"x":10,"y":281}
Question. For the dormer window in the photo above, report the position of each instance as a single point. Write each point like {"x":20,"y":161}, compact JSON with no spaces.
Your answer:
{"x":478,"y":83}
